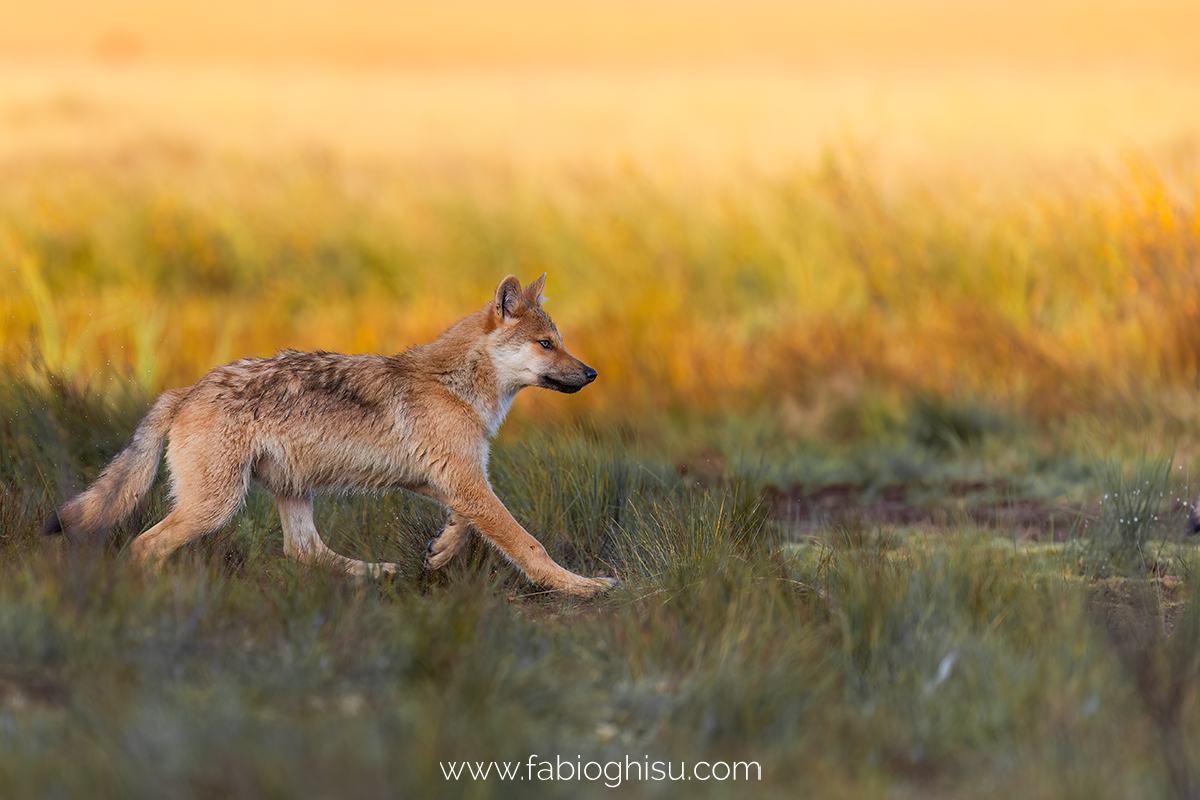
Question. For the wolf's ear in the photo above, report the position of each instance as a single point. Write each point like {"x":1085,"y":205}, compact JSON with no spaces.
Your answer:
{"x":533,"y":292}
{"x":508,"y":297}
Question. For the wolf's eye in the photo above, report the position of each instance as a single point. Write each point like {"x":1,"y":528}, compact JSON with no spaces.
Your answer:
{"x":546,"y":344}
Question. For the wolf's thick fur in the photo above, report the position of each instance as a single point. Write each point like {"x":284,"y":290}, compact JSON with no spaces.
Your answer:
{"x":298,"y":422}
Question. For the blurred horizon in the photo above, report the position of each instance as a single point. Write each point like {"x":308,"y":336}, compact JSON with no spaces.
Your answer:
{"x":704,"y":87}
{"x":373,"y":33}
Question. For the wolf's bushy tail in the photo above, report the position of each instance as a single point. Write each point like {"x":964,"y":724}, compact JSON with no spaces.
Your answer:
{"x":127,"y":478}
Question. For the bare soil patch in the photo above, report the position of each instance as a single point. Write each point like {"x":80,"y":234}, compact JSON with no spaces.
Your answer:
{"x":990,"y":505}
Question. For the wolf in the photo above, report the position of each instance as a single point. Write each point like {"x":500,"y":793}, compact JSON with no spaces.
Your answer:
{"x":301,"y":422}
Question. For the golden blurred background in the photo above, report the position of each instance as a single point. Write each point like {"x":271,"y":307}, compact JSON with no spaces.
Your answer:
{"x":677,"y":84}
{"x":798,"y":207}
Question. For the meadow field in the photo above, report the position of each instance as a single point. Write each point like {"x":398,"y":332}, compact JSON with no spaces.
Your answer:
{"x":895,"y":309}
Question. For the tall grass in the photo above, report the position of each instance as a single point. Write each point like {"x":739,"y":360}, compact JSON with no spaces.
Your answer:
{"x":804,"y":295}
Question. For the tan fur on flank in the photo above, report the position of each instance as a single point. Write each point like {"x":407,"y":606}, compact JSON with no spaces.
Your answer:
{"x":300,"y":422}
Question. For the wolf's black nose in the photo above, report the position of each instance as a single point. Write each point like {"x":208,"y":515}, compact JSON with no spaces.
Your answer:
{"x":590,"y":374}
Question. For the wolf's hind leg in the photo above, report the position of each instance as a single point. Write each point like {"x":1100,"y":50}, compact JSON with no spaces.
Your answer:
{"x":178,"y":528}
{"x":449,"y":541}
{"x":204,"y":501}
{"x":302,"y":542}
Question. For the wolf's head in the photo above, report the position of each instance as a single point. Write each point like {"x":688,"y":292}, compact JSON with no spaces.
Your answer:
{"x":526,"y":347}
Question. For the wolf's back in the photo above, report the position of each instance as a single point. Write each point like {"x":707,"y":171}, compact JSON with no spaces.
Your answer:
{"x":118,"y":488}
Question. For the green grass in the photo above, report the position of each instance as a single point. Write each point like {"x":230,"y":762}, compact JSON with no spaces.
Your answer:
{"x":847,"y":658}
{"x":871,"y":465}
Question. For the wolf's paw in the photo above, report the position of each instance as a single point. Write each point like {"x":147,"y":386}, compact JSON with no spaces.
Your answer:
{"x":437,"y":553}
{"x":384,"y":569}
{"x":592,"y":587}
{"x":449,"y":541}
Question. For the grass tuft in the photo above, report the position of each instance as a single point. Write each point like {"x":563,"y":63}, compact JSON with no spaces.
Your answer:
{"x":1139,"y":510}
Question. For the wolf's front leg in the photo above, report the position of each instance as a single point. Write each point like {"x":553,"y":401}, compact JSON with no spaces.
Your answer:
{"x":489,"y":516}
{"x":302,"y":542}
